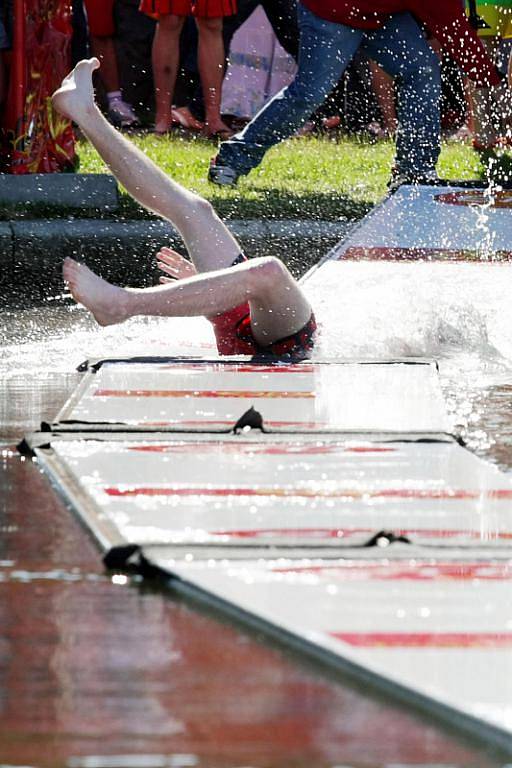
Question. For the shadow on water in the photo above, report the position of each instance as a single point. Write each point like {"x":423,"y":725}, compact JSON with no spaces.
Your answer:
{"x":320,"y":206}
{"x":259,"y":203}
{"x":131,"y":262}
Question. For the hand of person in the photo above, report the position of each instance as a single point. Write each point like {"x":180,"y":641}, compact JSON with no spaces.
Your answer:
{"x":175,"y":266}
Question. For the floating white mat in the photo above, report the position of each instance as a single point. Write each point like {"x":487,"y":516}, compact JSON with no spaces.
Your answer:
{"x":212,"y":396}
{"x":420,"y":222}
{"x":276,"y":491}
{"x":429,"y":621}
{"x":438,"y":632}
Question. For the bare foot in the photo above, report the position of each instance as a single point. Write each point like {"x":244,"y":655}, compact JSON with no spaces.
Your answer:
{"x":76,"y":94}
{"x":162,"y":128}
{"x":173,"y":264}
{"x":186,"y":119}
{"x":106,"y":302}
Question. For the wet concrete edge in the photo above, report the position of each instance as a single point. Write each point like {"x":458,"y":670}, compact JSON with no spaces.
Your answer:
{"x":32,"y":251}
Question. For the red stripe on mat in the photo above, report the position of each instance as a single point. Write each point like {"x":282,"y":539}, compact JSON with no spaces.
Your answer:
{"x":239,"y":368}
{"x":425,"y":639}
{"x":341,"y":533}
{"x":388,"y":493}
{"x":253,"y":449}
{"x":381,"y":253}
{"x":403,"y":571}
{"x":213,"y":393}
{"x":499,"y":199}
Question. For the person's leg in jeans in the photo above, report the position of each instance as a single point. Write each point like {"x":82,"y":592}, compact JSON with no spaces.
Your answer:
{"x":402,"y":50}
{"x":325,"y":50}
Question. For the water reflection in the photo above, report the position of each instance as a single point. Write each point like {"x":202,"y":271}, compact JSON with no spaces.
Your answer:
{"x":92,"y":665}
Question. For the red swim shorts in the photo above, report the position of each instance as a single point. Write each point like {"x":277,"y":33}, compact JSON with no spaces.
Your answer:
{"x":233,"y":334}
{"x":202,"y":9}
{"x":100,"y":17}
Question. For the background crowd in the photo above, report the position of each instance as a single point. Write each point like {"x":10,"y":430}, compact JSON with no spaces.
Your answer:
{"x":209,"y":65}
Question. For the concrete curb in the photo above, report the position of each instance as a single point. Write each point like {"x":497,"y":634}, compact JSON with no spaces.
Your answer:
{"x":71,"y":190}
{"x":31,"y":251}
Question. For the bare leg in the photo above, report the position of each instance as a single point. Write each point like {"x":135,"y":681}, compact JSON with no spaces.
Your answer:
{"x":209,"y":243}
{"x":384,"y":90}
{"x":165,"y":59}
{"x":211,"y":70}
{"x":278,"y":306}
{"x":103,"y":48}
{"x":486,"y":113}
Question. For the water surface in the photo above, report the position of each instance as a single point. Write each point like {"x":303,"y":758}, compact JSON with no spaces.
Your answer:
{"x":95,"y":665}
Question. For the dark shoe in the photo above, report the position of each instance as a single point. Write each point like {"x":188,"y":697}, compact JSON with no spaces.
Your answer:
{"x":222,"y":175}
{"x":425,"y":179}
{"x":122,"y":115}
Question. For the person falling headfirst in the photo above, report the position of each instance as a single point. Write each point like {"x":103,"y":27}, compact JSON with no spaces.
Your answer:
{"x":255,"y":306}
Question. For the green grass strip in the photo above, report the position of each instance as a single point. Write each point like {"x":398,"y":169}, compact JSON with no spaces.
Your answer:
{"x":325,"y":177}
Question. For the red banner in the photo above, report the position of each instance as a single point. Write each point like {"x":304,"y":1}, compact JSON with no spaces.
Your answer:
{"x":34,"y":138}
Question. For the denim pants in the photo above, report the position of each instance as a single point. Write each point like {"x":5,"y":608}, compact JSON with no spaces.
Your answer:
{"x":325,"y":51}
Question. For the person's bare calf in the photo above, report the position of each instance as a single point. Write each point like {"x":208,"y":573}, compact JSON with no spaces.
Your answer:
{"x":278,"y":306}
{"x":209,"y":242}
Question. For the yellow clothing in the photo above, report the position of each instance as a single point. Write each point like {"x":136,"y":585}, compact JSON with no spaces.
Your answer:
{"x":498,"y":15}
{"x":507,"y":29}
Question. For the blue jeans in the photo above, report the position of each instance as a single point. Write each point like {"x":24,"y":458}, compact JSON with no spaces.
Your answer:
{"x":325,"y":51}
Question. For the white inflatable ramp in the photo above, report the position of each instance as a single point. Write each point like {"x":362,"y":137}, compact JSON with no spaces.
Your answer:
{"x":434,"y":223}
{"x":299,"y":491}
{"x":385,"y":559}
{"x":435,"y":633}
{"x":286,"y":532}
{"x":214,"y":396}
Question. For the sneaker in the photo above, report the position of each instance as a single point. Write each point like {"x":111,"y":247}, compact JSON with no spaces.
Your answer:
{"x":222,"y":175}
{"x":399,"y":179}
{"x":121,"y":114}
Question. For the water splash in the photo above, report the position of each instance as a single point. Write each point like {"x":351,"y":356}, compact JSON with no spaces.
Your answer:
{"x":421,"y":309}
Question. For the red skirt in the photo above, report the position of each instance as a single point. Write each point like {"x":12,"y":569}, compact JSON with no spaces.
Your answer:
{"x":100,"y":17}
{"x":202,"y":9}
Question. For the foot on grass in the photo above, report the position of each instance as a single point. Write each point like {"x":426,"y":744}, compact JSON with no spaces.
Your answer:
{"x":217,"y":129}
{"x":107,"y":303}
{"x":76,"y":94}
